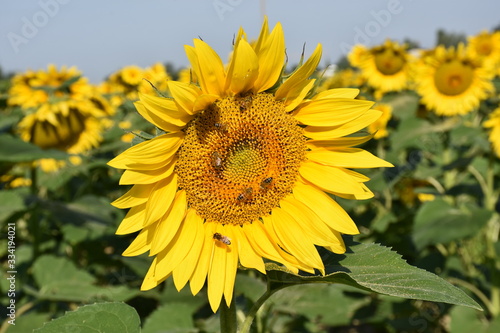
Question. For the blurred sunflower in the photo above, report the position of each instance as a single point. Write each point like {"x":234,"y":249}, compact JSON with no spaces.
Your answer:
{"x":343,"y":78}
{"x":451,"y":82}
{"x":486,"y":46}
{"x":242,"y":171}
{"x":385,"y":67}
{"x":493,"y":123}
{"x":125,"y":83}
{"x":70,"y":116}
{"x":379,"y":127}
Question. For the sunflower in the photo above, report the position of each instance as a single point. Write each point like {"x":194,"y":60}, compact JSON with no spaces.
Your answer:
{"x":379,"y":127}
{"x":241,"y":172}
{"x":493,"y":123}
{"x":70,"y":116}
{"x":125,"y":83}
{"x":385,"y":67}
{"x":451,"y":82}
{"x":486,"y":46}
{"x":343,"y":78}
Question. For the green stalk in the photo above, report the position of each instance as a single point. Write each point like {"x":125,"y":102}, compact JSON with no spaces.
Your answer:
{"x":33,"y":219}
{"x":228,"y":323}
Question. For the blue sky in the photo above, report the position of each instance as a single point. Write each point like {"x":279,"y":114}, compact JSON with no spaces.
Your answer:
{"x":99,"y":37}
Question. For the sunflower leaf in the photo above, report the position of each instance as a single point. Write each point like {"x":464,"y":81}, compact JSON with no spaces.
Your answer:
{"x":99,"y":317}
{"x":375,"y":268}
{"x":15,"y":150}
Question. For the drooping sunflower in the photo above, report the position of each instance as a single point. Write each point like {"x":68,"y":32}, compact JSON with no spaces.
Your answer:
{"x":451,"y":82}
{"x":241,"y":172}
{"x":385,"y":67}
{"x":493,"y":124}
{"x":69,"y":115}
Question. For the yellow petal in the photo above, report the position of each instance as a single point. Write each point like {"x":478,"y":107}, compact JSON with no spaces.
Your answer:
{"x":231,"y":262}
{"x":183,"y":272}
{"x":297,"y":95}
{"x":289,"y":89}
{"x":184,"y":95}
{"x":147,"y":176}
{"x":204,"y":101}
{"x":270,"y":50}
{"x":155,"y":119}
{"x":141,"y":243}
{"x":337,"y":93}
{"x":243,"y":69}
{"x":160,"y":199}
{"x":201,"y":271}
{"x":293,"y":239}
{"x":156,"y":151}
{"x":210,"y":69}
{"x":217,"y":275}
{"x":137,"y":195}
{"x":177,"y":250}
{"x":329,"y":179}
{"x":338,"y":143}
{"x":133,"y":221}
{"x":331,"y":132}
{"x":313,"y":226}
{"x":263,"y":36}
{"x":347,"y":158}
{"x":332,"y":111}
{"x":150,"y":281}
{"x":169,"y":224}
{"x":325,"y":207}
{"x":248,"y":256}
{"x":165,"y":108}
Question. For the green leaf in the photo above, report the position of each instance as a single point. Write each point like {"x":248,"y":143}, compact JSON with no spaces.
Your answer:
{"x":171,"y":318}
{"x":464,"y":320}
{"x":376,"y":268}
{"x":96,"y":318}
{"x":15,"y":150}
{"x":438,"y":222}
{"x":10,"y":202}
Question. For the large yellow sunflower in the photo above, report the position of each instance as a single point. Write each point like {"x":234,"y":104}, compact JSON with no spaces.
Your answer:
{"x":451,"y":82}
{"x":385,"y":67}
{"x":493,"y":123}
{"x":241,"y":173}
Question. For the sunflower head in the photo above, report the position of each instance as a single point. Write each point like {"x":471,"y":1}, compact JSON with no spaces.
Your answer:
{"x":486,"y":46}
{"x":385,"y":67}
{"x":242,"y":171}
{"x":66,"y":114}
{"x":451,"y":81}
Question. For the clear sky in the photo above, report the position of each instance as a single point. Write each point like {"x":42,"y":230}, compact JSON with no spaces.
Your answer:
{"x":99,"y":37}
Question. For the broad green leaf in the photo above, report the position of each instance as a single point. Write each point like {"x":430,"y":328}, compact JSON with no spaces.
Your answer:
{"x":376,"y":268}
{"x":464,"y":320}
{"x":439,"y":222}
{"x":11,"y":201}
{"x":327,"y":302}
{"x":249,"y":286}
{"x":96,"y":318}
{"x":404,"y":104}
{"x":15,"y":150}
{"x":171,"y":318}
{"x":59,"y":279}
{"x":27,"y":322}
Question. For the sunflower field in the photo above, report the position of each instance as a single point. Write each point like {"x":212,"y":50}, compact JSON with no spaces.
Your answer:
{"x":255,"y":193}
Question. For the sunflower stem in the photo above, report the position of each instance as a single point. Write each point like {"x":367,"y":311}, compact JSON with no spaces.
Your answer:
{"x":228,"y":323}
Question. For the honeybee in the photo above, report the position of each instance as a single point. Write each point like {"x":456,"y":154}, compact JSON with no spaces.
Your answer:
{"x":224,"y":239}
{"x":266,"y":183}
{"x":221,"y":126}
{"x":216,"y":160}
{"x":245,"y":195}
{"x":245,"y":103}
